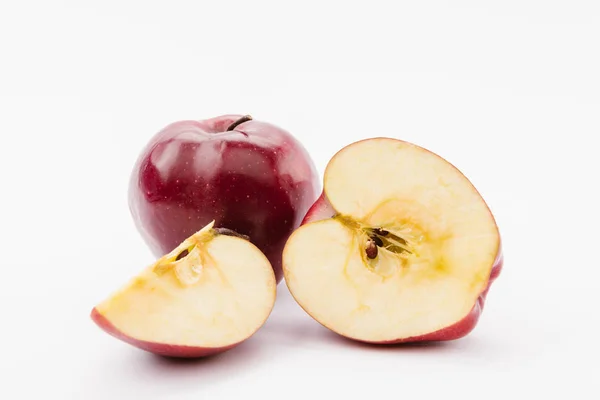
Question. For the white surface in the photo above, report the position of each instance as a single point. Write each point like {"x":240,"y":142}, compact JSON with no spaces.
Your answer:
{"x":507,"y":91}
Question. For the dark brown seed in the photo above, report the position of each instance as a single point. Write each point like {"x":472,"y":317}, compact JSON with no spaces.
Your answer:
{"x":377,"y":241}
{"x":182,"y":254}
{"x":380,"y":232}
{"x":371,"y":249}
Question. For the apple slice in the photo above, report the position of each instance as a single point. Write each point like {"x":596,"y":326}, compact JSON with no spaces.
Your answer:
{"x":399,"y":248}
{"x":209,"y":294}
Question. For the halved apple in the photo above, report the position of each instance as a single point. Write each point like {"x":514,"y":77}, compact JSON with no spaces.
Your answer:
{"x":399,"y":248}
{"x":212,"y":292}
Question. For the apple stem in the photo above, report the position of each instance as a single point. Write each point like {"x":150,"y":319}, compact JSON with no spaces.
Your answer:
{"x":243,"y":119}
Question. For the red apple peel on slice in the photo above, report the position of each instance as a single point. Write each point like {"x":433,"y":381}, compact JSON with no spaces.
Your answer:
{"x":211,"y":293}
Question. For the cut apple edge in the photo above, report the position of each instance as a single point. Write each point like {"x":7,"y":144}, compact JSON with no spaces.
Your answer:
{"x":402,"y":259}
{"x":209,"y":294}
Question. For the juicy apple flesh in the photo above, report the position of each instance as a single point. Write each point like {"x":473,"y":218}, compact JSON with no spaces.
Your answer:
{"x":209,"y":294}
{"x":399,"y":248}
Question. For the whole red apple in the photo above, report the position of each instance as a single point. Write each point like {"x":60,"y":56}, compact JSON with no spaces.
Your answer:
{"x":248,"y":176}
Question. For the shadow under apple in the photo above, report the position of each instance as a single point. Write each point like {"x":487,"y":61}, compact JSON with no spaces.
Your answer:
{"x":166,"y":376}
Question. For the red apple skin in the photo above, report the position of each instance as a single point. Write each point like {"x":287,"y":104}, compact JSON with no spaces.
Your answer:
{"x":160,"y":349}
{"x":256,"y":179}
{"x":322,"y":209}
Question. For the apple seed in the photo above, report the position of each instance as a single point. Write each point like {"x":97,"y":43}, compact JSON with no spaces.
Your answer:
{"x":371,"y":249}
{"x":377,"y":240}
{"x":380,"y":232}
{"x":182,"y":254}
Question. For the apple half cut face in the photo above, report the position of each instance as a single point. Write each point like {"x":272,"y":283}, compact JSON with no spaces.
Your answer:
{"x":399,"y":248}
{"x":209,"y":294}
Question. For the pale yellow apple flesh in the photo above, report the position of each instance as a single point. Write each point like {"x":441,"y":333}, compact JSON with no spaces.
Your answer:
{"x":212,"y":292}
{"x":429,"y":278}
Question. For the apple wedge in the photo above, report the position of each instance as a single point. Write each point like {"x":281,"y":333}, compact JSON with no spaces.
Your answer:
{"x":399,"y":248}
{"x":212,"y":292}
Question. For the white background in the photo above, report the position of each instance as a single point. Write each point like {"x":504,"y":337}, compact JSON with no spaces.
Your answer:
{"x":507,"y":91}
